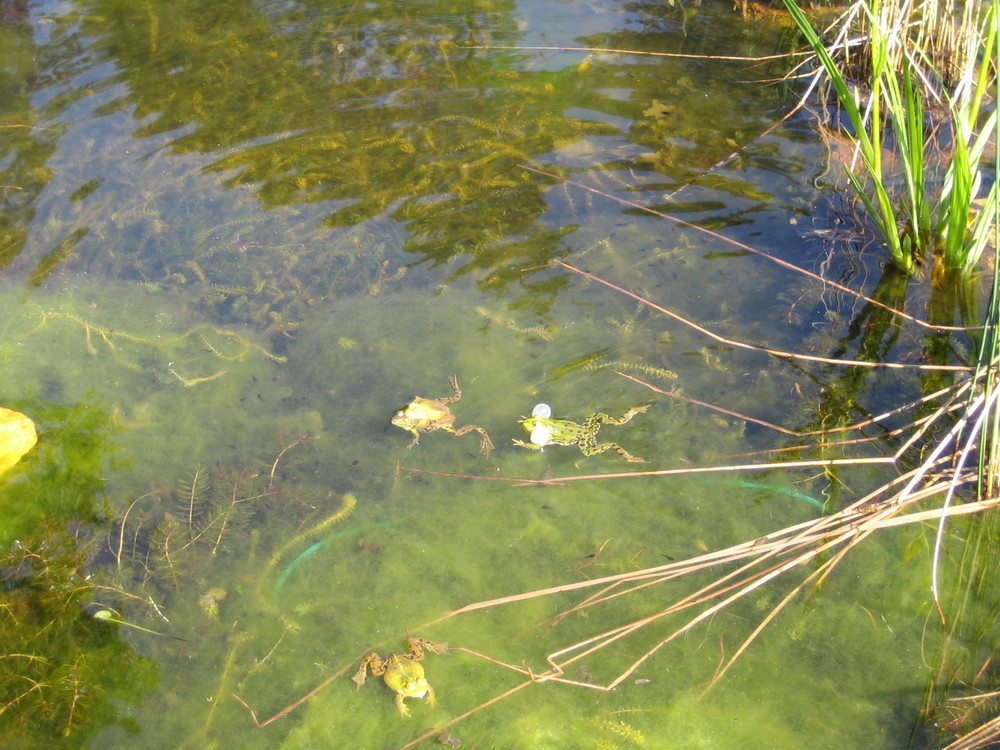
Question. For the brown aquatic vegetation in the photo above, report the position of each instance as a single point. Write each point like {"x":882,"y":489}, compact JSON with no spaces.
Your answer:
{"x":176,"y":352}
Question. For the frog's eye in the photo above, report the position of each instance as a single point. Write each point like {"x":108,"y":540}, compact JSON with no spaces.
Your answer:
{"x":541,"y":435}
{"x":542,"y":411}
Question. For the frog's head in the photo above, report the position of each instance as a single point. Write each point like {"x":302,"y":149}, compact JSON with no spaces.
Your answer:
{"x":406,"y":677}
{"x":417,"y":411}
{"x":414,"y":688}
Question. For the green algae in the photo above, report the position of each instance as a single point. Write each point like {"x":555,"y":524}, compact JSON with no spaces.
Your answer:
{"x":213,"y":511}
{"x":64,"y":676}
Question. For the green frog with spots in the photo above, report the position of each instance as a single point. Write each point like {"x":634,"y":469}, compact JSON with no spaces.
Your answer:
{"x":544,"y":430}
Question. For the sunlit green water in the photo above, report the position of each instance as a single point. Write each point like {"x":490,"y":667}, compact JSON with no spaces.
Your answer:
{"x":238,"y":236}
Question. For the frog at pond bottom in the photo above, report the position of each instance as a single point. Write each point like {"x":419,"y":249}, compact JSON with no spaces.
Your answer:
{"x":402,"y":672}
{"x":429,"y":414}
{"x":547,"y":431}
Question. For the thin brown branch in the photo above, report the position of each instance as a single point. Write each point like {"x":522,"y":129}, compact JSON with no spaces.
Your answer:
{"x":400,"y":467}
{"x":452,"y":722}
{"x":741,"y":246}
{"x":763,"y":349}
{"x":982,"y":736}
{"x":613,"y":50}
{"x":805,"y":542}
{"x":121,"y":528}
{"x":288,"y":709}
{"x":707,"y":405}
{"x":274,"y":466}
{"x":808,"y":433}
{"x":815,"y":463}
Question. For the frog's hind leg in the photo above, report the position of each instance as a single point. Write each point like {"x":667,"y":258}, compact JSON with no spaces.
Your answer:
{"x":621,"y":452}
{"x":453,"y":380}
{"x":435,"y":647}
{"x":485,"y":445}
{"x":605,"y":419}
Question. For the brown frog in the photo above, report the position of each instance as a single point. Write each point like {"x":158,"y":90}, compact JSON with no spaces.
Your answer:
{"x":427,"y":415}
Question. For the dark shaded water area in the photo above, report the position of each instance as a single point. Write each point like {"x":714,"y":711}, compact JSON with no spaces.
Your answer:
{"x":236,"y":237}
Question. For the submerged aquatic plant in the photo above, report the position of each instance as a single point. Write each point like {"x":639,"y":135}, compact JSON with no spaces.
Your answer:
{"x":17,"y":437}
{"x":63,"y":674}
{"x":179,"y":551}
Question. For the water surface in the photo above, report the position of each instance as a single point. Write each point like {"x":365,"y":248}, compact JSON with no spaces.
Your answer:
{"x":237,"y":237}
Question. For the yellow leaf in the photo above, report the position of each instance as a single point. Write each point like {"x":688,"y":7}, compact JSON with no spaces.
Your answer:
{"x":17,"y":437}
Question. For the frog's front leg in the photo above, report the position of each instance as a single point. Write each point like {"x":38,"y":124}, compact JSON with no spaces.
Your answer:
{"x":401,"y":706}
{"x":401,"y":702}
{"x":533,"y":447}
{"x":485,"y":445}
{"x":375,"y":662}
{"x":416,"y":437}
{"x":431,"y":698}
{"x":600,"y":448}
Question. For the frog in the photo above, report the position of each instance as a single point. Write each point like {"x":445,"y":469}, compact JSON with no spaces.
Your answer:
{"x":547,"y":431}
{"x":429,"y":414}
{"x":402,"y":671}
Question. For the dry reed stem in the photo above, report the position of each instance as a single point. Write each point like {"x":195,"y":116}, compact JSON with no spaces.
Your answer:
{"x":986,"y":405}
{"x":274,"y":467}
{"x":762,"y":560}
{"x":786,"y":549}
{"x":920,"y":426}
{"x":806,"y":433}
{"x":713,"y":407}
{"x":291,"y":707}
{"x":799,"y":543}
{"x":766,"y":350}
{"x":616,"y":51}
{"x":982,"y":736}
{"x":768,"y":557}
{"x":452,"y":722}
{"x":741,"y":246}
{"x":288,"y":709}
{"x":562,"y":481}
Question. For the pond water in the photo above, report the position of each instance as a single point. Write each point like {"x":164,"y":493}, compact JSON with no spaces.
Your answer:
{"x":238,"y":236}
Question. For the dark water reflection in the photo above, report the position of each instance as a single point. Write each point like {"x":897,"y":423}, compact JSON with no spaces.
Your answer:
{"x":344,"y":113}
